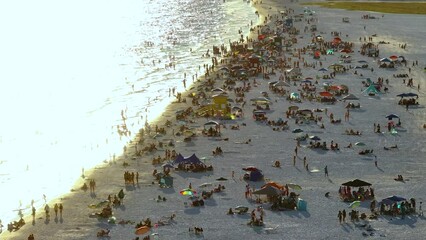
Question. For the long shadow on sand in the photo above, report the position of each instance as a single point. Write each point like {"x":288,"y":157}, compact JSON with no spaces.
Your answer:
{"x":293,"y":213}
{"x":347,"y":227}
{"x":197,"y":175}
{"x":192,"y":210}
{"x":408,"y":220}
{"x":168,"y":190}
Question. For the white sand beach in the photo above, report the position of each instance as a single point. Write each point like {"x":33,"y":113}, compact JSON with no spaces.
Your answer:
{"x":246,"y":142}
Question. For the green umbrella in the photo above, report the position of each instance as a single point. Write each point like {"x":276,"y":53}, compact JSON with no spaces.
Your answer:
{"x":354,"y":204}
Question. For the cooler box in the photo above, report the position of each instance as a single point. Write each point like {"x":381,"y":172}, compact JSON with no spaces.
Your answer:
{"x":301,"y":205}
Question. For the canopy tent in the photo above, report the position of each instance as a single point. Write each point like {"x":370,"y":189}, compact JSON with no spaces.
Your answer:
{"x":193,"y":159}
{"x":255,"y":175}
{"x":371,"y":89}
{"x":356,"y":183}
{"x":392,"y":199}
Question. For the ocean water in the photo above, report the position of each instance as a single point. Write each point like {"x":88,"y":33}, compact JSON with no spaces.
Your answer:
{"x":68,"y":70}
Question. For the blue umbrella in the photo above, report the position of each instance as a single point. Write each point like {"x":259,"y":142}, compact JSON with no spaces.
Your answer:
{"x":297,"y":130}
{"x":412,"y":94}
{"x":402,"y":95}
{"x":323,"y":70}
{"x":315,"y":138}
{"x":390,"y":116}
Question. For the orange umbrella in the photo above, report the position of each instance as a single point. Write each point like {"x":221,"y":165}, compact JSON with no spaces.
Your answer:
{"x":142,"y":230}
{"x":274,"y":184}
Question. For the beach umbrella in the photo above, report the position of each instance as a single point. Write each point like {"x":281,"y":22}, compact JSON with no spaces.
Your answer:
{"x":224,"y":69}
{"x":325,"y":94}
{"x":209,"y":123}
{"x":241,"y":208}
{"x":142,"y":230}
{"x":187,"y":192}
{"x":250,"y":168}
{"x":206,"y":185}
{"x":297,"y":130}
{"x":346,"y":50}
{"x":411,"y":94}
{"x":355,"y":204}
{"x":260,"y":99}
{"x":306,"y":81}
{"x":281,"y":84}
{"x":167,"y":165}
{"x":221,"y":179}
{"x":323,"y":70}
{"x":359,"y":144}
{"x":188,"y":133}
{"x":393,"y":57}
{"x":294,"y":95}
{"x":402,"y":95}
{"x":362,"y":61}
{"x":218,"y":90}
{"x":386,"y":60}
{"x":294,"y":108}
{"x":294,"y":186}
{"x":268,"y":190}
{"x":350,"y":97}
{"x":391,"y":116}
{"x":315,"y":138}
{"x":259,"y":112}
{"x":274,"y":184}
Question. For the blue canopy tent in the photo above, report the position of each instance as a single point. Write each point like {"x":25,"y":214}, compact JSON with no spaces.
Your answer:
{"x":255,"y":175}
{"x":393,"y":199}
{"x":193,"y":159}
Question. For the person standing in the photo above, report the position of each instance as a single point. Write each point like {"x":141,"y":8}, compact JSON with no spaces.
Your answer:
{"x":56,"y":209}
{"x":326,"y":171}
{"x":33,"y":212}
{"x":344,"y":215}
{"x":340,"y":216}
{"x":61,"y":208}
{"x":47,"y":210}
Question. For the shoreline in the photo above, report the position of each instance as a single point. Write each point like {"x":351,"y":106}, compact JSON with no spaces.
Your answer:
{"x":112,"y":166}
{"x":114,"y":173}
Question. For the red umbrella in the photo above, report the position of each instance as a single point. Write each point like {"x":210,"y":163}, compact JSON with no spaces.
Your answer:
{"x":250,"y":169}
{"x":325,"y":94}
{"x":337,"y":40}
{"x":261,"y":37}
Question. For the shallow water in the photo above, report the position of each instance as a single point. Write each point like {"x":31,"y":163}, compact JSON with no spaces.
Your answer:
{"x":69,"y":69}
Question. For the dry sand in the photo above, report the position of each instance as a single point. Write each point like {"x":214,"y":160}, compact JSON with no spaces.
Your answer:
{"x":266,"y":146}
